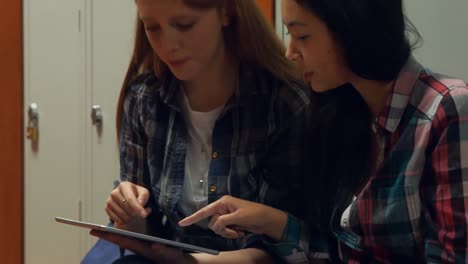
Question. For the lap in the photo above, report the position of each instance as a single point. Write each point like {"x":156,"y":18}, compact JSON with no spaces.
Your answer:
{"x":133,"y":259}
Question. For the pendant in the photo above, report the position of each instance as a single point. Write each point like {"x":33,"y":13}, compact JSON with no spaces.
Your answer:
{"x":198,"y":200}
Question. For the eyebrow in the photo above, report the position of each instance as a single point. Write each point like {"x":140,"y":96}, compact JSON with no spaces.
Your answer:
{"x":172,"y":19}
{"x":146,"y":18}
{"x":295,"y":24}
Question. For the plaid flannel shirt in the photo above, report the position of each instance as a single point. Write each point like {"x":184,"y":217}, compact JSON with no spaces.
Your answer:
{"x":415,"y":208}
{"x":258,"y":146}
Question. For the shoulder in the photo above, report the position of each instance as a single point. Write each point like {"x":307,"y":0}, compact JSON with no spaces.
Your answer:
{"x":140,"y":99}
{"x":143,"y":86}
{"x":288,"y":95}
{"x":295,"y":96}
{"x":442,"y":97}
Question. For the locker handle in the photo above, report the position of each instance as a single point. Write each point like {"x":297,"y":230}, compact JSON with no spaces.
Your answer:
{"x":32,"y":130}
{"x":96,"y":115}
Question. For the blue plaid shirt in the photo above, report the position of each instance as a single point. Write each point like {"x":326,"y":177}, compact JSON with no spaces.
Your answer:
{"x":258,"y":147}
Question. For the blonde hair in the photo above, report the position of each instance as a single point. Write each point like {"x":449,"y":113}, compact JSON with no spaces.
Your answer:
{"x":250,"y":38}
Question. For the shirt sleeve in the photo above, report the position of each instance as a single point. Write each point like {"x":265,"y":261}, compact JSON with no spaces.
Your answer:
{"x":132,"y":141}
{"x":283,"y":184}
{"x":295,"y":246}
{"x":133,"y":152}
{"x":446,"y":239}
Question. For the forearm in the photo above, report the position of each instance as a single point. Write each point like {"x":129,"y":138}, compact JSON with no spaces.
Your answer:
{"x":249,"y":255}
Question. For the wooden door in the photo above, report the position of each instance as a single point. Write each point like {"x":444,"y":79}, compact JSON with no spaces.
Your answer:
{"x":268,"y":8}
{"x":11,"y":136}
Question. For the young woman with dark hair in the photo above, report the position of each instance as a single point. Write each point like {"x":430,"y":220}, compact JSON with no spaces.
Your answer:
{"x":400,"y":198}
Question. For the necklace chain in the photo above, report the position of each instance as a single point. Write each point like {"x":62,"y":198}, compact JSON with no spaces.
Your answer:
{"x":205,"y":152}
{"x":197,"y":196}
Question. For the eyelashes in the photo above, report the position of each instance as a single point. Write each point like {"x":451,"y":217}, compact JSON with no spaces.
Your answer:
{"x":302,"y":37}
{"x":179,"y":26}
{"x":184,"y":27}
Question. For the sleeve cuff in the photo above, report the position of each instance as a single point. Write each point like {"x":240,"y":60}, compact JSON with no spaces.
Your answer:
{"x":294,"y":247}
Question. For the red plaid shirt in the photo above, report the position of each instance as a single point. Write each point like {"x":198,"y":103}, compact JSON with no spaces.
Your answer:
{"x":416,"y":206}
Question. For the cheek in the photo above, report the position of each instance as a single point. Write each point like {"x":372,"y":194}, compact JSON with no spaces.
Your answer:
{"x":203,"y":42}
{"x":328,"y":63}
{"x":329,"y":71}
{"x":155,"y":44}
{"x":196,"y":42}
{"x":312,"y":60}
{"x":313,"y":55}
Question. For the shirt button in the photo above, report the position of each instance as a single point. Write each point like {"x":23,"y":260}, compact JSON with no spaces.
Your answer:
{"x":213,"y":188}
{"x":215,"y":155}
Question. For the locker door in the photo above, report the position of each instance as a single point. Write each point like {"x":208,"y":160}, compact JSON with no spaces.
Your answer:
{"x":111,"y":44}
{"x":53,"y":163}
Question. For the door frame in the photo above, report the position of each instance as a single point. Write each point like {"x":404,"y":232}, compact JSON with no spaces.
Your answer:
{"x":11,"y":132}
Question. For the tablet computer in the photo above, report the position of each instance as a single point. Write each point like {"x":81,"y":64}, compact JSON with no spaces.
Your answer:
{"x":121,"y":232}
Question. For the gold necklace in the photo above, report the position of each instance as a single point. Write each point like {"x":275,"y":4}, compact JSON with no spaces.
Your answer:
{"x":204,"y":192}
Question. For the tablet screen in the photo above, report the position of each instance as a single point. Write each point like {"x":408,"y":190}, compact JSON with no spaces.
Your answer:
{"x":136,"y":235}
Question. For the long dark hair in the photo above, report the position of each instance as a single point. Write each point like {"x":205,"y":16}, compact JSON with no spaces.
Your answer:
{"x":372,"y":33}
{"x":374,"y":37}
{"x":343,"y":154}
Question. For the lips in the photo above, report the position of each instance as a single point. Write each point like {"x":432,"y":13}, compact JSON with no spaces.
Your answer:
{"x":308,"y":76}
{"x":178,"y":63}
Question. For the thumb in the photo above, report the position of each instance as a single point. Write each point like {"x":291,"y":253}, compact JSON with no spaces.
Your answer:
{"x":228,"y":220}
{"x":142,"y":197}
{"x":148,"y":210}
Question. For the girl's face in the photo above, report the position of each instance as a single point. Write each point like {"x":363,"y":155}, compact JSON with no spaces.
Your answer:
{"x":189,"y":41}
{"x":314,"y":49}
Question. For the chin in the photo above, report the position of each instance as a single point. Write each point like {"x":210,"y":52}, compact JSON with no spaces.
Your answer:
{"x":317,"y":88}
{"x":186,"y":73}
{"x":320,"y":88}
{"x":183,"y":75}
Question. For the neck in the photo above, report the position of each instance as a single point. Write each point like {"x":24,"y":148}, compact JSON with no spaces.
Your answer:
{"x":374,"y":93}
{"x":214,"y":86}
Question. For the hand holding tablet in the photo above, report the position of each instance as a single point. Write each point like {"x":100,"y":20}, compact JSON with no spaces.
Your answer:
{"x":135,"y":235}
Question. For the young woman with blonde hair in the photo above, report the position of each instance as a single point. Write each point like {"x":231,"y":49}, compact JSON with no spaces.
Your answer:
{"x":209,"y":107}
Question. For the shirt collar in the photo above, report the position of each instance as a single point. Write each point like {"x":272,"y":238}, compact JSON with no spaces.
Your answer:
{"x":252,"y":82}
{"x":398,"y":99}
{"x":169,"y":91}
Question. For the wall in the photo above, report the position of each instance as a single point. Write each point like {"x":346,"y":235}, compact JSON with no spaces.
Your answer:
{"x":443,"y":26}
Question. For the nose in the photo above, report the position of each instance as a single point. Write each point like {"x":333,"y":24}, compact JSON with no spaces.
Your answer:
{"x":291,"y":52}
{"x":170,"y":41}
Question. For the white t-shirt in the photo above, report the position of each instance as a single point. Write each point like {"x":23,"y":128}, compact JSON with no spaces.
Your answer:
{"x":200,"y":127}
